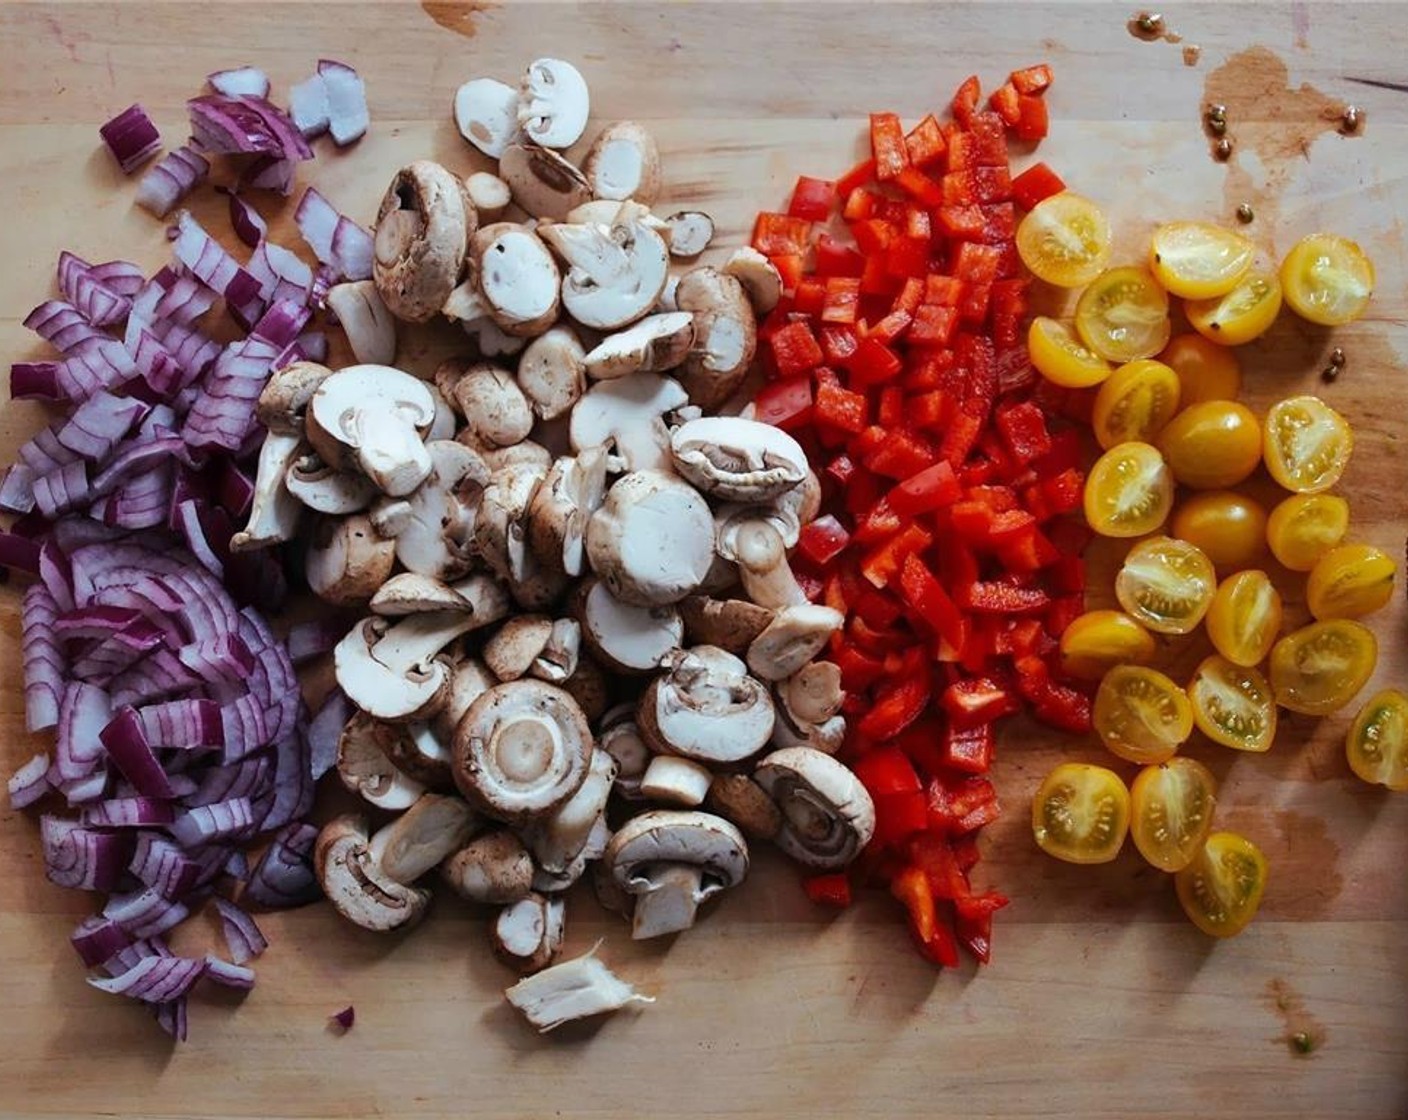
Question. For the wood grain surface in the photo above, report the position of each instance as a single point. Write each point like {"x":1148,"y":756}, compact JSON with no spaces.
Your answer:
{"x":1102,"y":1001}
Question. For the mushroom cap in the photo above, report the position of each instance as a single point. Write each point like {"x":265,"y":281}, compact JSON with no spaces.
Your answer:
{"x":690,"y":233}
{"x":348,"y":560}
{"x":469,"y":679}
{"x":626,"y":415}
{"x":422,"y":234}
{"x":500,"y":528}
{"x":390,"y":516}
{"x":286,"y":394}
{"x":554,"y":103}
{"x":652,"y":540}
{"x":624,"y":162}
{"x":663,"y":837}
{"x":559,"y":837}
{"x":486,"y":113}
{"x":510,"y":653}
{"x":651,"y":345}
{"x":628,"y":638}
{"x":413,"y":593}
{"x":437,"y":539}
{"x":543,"y":183}
{"x":552,"y":371}
{"x":496,"y":412}
{"x":419,"y":752}
{"x":814,"y":693}
{"x":518,"y":278}
{"x":738,"y":460}
{"x":616,"y":274}
{"x":353,"y":883}
{"x":494,"y":867}
{"x":827,"y":814}
{"x":758,"y":275}
{"x":589,"y":686}
{"x":527,"y":934}
{"x":367,"y":770}
{"x":737,"y":798}
{"x":707,"y":707}
{"x":521,"y":750}
{"x":725,"y":335}
{"x":794,"y":636}
{"x":422,"y":836}
{"x":527,"y":453}
{"x":621,"y":739}
{"x":730,"y":624}
{"x":370,"y":418}
{"x":324,"y":490}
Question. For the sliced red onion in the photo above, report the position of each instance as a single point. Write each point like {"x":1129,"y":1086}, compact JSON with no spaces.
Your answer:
{"x":131,"y":137}
{"x":43,"y":452}
{"x":135,"y":456}
{"x":314,"y":638}
{"x":30,"y":782}
{"x":335,"y":240}
{"x":228,"y":975}
{"x":192,"y":349}
{"x":234,"y":489}
{"x":135,"y":951}
{"x":126,"y":743}
{"x":293,"y":780}
{"x":248,"y":224}
{"x":129,"y":812}
{"x":315,"y":345}
{"x":35,"y":381}
{"x":223,"y":414}
{"x":243,"y":727}
{"x":58,"y":322}
{"x":160,"y":676}
{"x":173,"y":1018}
{"x":308,"y":106}
{"x":243,"y":80}
{"x":220,"y":660}
{"x":123,"y":277}
{"x":154,"y":979}
{"x":164,"y":866}
{"x":78,"y":857}
{"x":83,"y":791}
{"x":93,"y":622}
{"x":83,"y":714}
{"x":62,"y":490}
{"x":281,"y":274}
{"x":145,"y":913}
{"x":43,"y":660}
{"x":245,"y":124}
{"x":56,"y":574}
{"x":140,"y":503}
{"x":19,"y":553}
{"x":326,"y":729}
{"x":211,"y":264}
{"x":171,"y":179}
{"x":17,"y":490}
{"x":104,"y":365}
{"x":347,"y":101}
{"x":231,"y":819}
{"x":352,"y":249}
{"x":96,"y":425}
{"x":242,"y":933}
{"x":236,"y":866}
{"x":345,"y":1018}
{"x":97,"y":939}
{"x":188,"y":518}
{"x":269,"y":173}
{"x":93,"y":299}
{"x":283,"y":877}
{"x":280,"y":325}
{"x":248,"y":778}
{"x":183,"y":302}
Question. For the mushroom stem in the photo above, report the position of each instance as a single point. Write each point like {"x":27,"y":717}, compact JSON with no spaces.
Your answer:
{"x":669,"y":903}
{"x":763,"y":567}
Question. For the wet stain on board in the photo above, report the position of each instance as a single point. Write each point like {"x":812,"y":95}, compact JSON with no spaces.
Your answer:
{"x":456,"y":15}
{"x":1304,"y":1035}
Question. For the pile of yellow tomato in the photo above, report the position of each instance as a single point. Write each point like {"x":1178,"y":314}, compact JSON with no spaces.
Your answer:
{"x":1166,"y":414}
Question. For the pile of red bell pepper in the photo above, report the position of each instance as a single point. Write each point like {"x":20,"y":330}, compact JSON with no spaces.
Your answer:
{"x":950,"y":470}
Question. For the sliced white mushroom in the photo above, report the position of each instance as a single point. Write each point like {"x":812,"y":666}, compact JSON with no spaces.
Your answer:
{"x":691,"y":231}
{"x":324,"y":490}
{"x":391,"y":671}
{"x":527,"y":453}
{"x":758,"y":275}
{"x":572,"y":490}
{"x":809,"y":709}
{"x":553,"y":103}
{"x":486,"y":113}
{"x":356,"y":886}
{"x":511,"y":651}
{"x":390,"y":516}
{"x":651,"y":345}
{"x":672,"y":861}
{"x":555,"y":882}
{"x":552,"y":372}
{"x":488,"y":599}
{"x":651,"y":542}
{"x":437,"y":539}
{"x":828,"y":816}
{"x":496,"y":412}
{"x":371,"y":418}
{"x":624,"y":162}
{"x":347,"y":560}
{"x":494,"y":867}
{"x":737,"y":798}
{"x":370,"y":327}
{"x":419,"y":752}
{"x":558,"y":838}
{"x":489,"y":193}
{"x":667,"y":297}
{"x":367,"y":770}
{"x":738,"y":460}
{"x":575,"y":989}
{"x":628,"y":638}
{"x":557,"y":660}
{"x":706,"y":707}
{"x":492,"y":340}
{"x":421,"y":837}
{"x":621,"y":739}
{"x":501,"y":527}
{"x":627,"y":416}
{"x":794,"y":636}
{"x":725,"y":335}
{"x":672,"y":780}
{"x":527,"y":934}
{"x":422,"y":235}
{"x":787,"y":514}
{"x":758,"y":549}
{"x":615,"y":276}
{"x":517,"y":277}
{"x":413,"y":593}
{"x":274,"y":510}
{"x":597,"y":211}
{"x":284,"y":399}
{"x":730,"y":624}
{"x":542,"y":182}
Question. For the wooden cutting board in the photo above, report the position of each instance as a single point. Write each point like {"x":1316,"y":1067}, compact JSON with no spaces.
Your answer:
{"x":1102,"y":1001}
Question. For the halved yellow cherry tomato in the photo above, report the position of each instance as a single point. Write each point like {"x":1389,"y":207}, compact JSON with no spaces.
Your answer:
{"x":1081,"y":813}
{"x":1166,"y":585}
{"x":1099,"y":640}
{"x":1141,"y":715}
{"x":1123,"y":315}
{"x":1233,"y":705}
{"x":1135,"y":403}
{"x":1377,"y":743}
{"x":1319,"y":668}
{"x":1350,"y":582}
{"x":1245,"y":617}
{"x":1327,"y":279}
{"x":1171,"y":808}
{"x":1064,"y":240}
{"x":1197,"y":260}
{"x":1244,"y":313}
{"x":1304,"y":527}
{"x":1229,"y":527}
{"x":1212,"y":445}
{"x":1128,"y":492}
{"x":1207,"y":371}
{"x":1306,"y":444}
{"x":1061,"y":357}
{"x":1221,"y":888}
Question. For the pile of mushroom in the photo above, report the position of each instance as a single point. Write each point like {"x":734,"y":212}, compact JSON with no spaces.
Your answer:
{"x":582,"y":640}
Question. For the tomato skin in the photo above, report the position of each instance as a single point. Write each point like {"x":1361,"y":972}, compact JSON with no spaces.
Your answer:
{"x":1233,"y":705}
{"x":1123,"y":315}
{"x":1328,"y":280}
{"x":1128,"y":492}
{"x":1099,"y":640}
{"x":1243,"y":314}
{"x":1198,"y":260}
{"x":1171,"y":811}
{"x":1303,"y":527}
{"x":1244,"y":618}
{"x":1212,"y":445}
{"x":1080,"y":813}
{"x":1306,"y":444}
{"x":1166,"y":585}
{"x":1206,"y":371}
{"x":1229,"y":527}
{"x":1350,"y":581}
{"x":1377,"y":743}
{"x":1065,"y":240}
{"x":1135,"y":403}
{"x":1141,"y":715}
{"x":1319,"y":668}
{"x":1221,"y":888}
{"x":1060,"y":356}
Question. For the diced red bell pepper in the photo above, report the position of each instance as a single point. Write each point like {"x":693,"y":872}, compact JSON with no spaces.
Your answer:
{"x":781,"y":235}
{"x":1032,"y":79}
{"x":856,"y":177}
{"x":891,"y":411}
{"x":841,"y":469}
{"x":887,"y":145}
{"x":859,"y":205}
{"x":838,"y":343}
{"x":1023,"y":428}
{"x":842,"y":301}
{"x":989,"y":140}
{"x":990,"y":597}
{"x":896,"y":706}
{"x":812,"y":199}
{"x":1063,"y":707}
{"x":859,"y":670}
{"x":907,"y":257}
{"x":1004,"y":101}
{"x":785,"y":404}
{"x":930,"y":489}
{"x":834,"y":258}
{"x":873,"y":235}
{"x":969,"y":749}
{"x":876,"y":279}
{"x":1033,"y":122}
{"x":919,"y":186}
{"x":933,"y":325}
{"x":924,"y":143}
{"x":1034,"y":184}
{"x":901,"y":455}
{"x":933,"y":938}
{"x":832,"y":890}
{"x":790,"y":267}
{"x":978,"y":700}
{"x":962,"y":434}
{"x":822,"y":540}
{"x":943,"y":291}
{"x":883,"y":563}
{"x":929,"y":600}
{"x":880,"y":522}
{"x":933,"y":854}
{"x":809,"y":298}
{"x":795,"y":349}
{"x":874,"y":363}
{"x":898,"y":816}
{"x":965,"y":100}
{"x":885,"y":771}
{"x":1064,"y":610}
{"x":1067,"y":575}
{"x":876,"y":608}
{"x":841,"y":408}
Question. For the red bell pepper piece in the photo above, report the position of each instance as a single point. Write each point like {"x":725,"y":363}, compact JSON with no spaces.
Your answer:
{"x":896,"y":706}
{"x":919,"y":186}
{"x":1032,"y":79}
{"x":875,"y":608}
{"x":822,"y":540}
{"x":838,"y":343}
{"x":840,"y":408}
{"x":1004,"y":101}
{"x":989,"y":136}
{"x":873,"y":363}
{"x":965,"y":100}
{"x":887,"y":145}
{"x":790,"y":266}
{"x":928,"y":599}
{"x":898,"y":816}
{"x":933,"y":325}
{"x":902,"y":454}
{"x":842,"y":300}
{"x":924,"y":144}
{"x":932,"y":853}
{"x":832,"y":890}
{"x":933,"y":938}
{"x":1063,"y":611}
{"x":833,"y":258}
{"x":1033,"y":122}
{"x":883,"y":563}
{"x":885,"y":771}
{"x":781,"y":235}
{"x":785,"y":404}
{"x":812,"y":199}
{"x":930,"y":489}
{"x":1023,"y":429}
{"x":891,"y":411}
{"x":1034,"y":184}
{"x":1066,"y":575}
{"x":968,"y":749}
{"x":907,"y":257}
{"x":975,"y":935}
{"x":978,"y":700}
{"x":880,"y":522}
{"x":1000,"y":598}
{"x":859,"y":670}
{"x":856,"y":177}
{"x":1064,"y":708}
{"x":795,"y":349}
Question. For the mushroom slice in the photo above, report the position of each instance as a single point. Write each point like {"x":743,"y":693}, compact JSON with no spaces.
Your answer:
{"x":391,"y":672}
{"x":557,"y":660}
{"x":421,"y":837}
{"x":517,"y":278}
{"x":552,"y":372}
{"x":730,"y":624}
{"x":690,"y":234}
{"x":356,"y":887}
{"x":371,"y":417}
{"x":624,"y":162}
{"x":570,"y":494}
{"x":758,"y":275}
{"x":528,"y":453}
{"x":527,"y":934}
{"x":422,"y":234}
{"x":786,"y":514}
{"x":493,"y":341}
{"x":521,"y":750}
{"x":366,"y":769}
{"x":488,"y":599}
{"x":489,"y":193}
{"x":370,"y":327}
{"x":675,"y":781}
{"x":390,"y":517}
{"x":496,"y":412}
{"x":486,"y":113}
{"x":324,"y":490}
{"x":559,"y":837}
{"x":348,"y":560}
{"x":412,"y":593}
{"x":597,"y":212}
{"x":575,"y":989}
{"x":615,"y":276}
{"x":827,"y":815}
{"x":500,"y":528}
{"x":542,"y":182}
{"x":737,"y":798}
{"x":794,"y":637}
{"x":738,"y":460}
{"x":628,"y":638}
{"x":285,"y":396}
{"x":274,"y":512}
{"x":494,"y":868}
{"x":673,"y":860}
{"x":418,"y":752}
{"x":653,"y":344}
{"x":555,"y":882}
{"x":706,"y":707}
{"x":622,"y":740}
{"x":626,"y":415}
{"x":469,"y":680}
{"x":510,"y":653}
{"x":652,"y":540}
{"x":758,"y":550}
{"x":437,"y":539}
{"x":553,"y":103}
{"x":725,"y":335}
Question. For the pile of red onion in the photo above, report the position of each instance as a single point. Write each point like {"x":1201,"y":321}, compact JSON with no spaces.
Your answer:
{"x":181,"y":738}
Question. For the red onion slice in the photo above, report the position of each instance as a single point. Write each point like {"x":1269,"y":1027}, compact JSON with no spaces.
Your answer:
{"x":246,"y":221}
{"x":123,"y":277}
{"x":211,"y":264}
{"x":162,"y":864}
{"x":245,"y":124}
{"x":131,"y":137}
{"x":61,"y":324}
{"x":308,"y":640}
{"x":242,"y":933}
{"x":43,"y":660}
{"x":309,"y":107}
{"x":269,"y":173}
{"x":93,"y":299}
{"x":345,"y":1018}
{"x":154,"y":979}
{"x":347,"y":101}
{"x":335,"y":239}
{"x":17,"y":492}
{"x":97,"y":939}
{"x":30,"y":782}
{"x":128,"y":812}
{"x":145,"y":913}
{"x":171,"y":179}
{"x":228,"y":975}
{"x":78,"y":857}
{"x":232,"y":819}
{"x":83,"y":715}
{"x":283,"y":877}
{"x":126,"y":743}
{"x":184,"y":725}
{"x":241,"y":81}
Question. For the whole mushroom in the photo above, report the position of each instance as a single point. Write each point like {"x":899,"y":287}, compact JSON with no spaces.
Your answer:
{"x":422,"y":234}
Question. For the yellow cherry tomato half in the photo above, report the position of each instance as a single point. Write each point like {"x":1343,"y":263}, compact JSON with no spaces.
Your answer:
{"x":1306,"y":444}
{"x":1135,"y":403}
{"x":1245,"y":617}
{"x":1099,"y":640}
{"x":1061,"y":357}
{"x":1304,"y":527}
{"x":1319,"y":668}
{"x":1327,"y":279}
{"x":1166,"y":585}
{"x":1081,"y":813}
{"x":1377,"y":743}
{"x":1123,"y":315}
{"x":1212,"y":445}
{"x":1206,"y":371}
{"x":1233,"y":705}
{"x":1350,"y":582}
{"x":1244,"y":313}
{"x":1064,"y":240}
{"x":1141,"y":715}
{"x":1197,"y":260}
{"x":1229,"y":527}
{"x":1221,"y":888}
{"x":1171,"y":808}
{"x":1128,"y":492}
